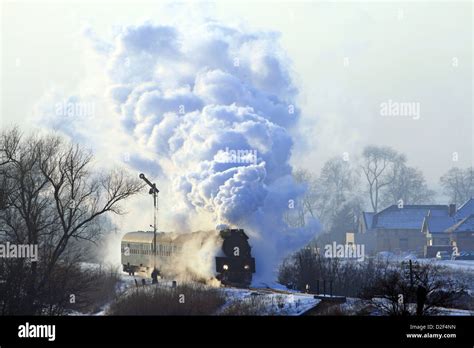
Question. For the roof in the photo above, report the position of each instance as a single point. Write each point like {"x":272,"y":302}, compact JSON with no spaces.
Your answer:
{"x":466,"y":209}
{"x":147,"y":236}
{"x":138,"y":237}
{"x":435,"y":216}
{"x":368,"y":216}
{"x":438,"y":224}
{"x":408,"y":217}
{"x":465,"y":225}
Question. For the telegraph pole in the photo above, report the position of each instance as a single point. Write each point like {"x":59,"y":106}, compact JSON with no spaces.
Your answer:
{"x":153,"y":191}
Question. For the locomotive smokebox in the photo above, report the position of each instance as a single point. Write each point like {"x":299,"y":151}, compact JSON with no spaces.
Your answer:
{"x":238,"y":265}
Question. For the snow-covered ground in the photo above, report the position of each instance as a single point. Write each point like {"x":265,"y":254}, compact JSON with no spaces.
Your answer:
{"x":282,"y":302}
{"x":458,"y":264}
{"x":467,"y":265}
{"x":273,"y":299}
{"x":455,"y":312}
{"x":353,"y":305}
{"x":269,"y":302}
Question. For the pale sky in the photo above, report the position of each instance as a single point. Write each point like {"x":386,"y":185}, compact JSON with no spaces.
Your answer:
{"x":347,"y":58}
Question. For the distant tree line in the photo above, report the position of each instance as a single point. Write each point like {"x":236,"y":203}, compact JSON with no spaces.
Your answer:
{"x":458,"y":184}
{"x":378,"y":179}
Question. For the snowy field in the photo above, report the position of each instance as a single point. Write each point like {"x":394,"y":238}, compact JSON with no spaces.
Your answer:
{"x":271,"y":303}
{"x":467,"y":265}
{"x":458,"y":264}
{"x":267,"y":301}
{"x":275,"y":299}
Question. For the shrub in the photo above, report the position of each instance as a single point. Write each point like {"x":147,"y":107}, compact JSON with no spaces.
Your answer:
{"x":254,"y":305}
{"x":186,"y":299}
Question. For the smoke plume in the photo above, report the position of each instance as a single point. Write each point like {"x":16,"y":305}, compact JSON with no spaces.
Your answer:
{"x":213,"y":105}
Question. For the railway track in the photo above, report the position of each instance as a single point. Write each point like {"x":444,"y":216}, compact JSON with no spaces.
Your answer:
{"x":273,"y":291}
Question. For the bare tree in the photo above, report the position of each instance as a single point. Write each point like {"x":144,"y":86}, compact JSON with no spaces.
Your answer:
{"x":54,"y":197}
{"x":389,"y":293}
{"x":345,"y":219}
{"x":325,"y":195}
{"x":80,"y":197}
{"x":309,"y":267}
{"x":380,"y":166}
{"x":420,"y":290}
{"x":409,"y":186}
{"x":305,"y":206}
{"x":458,"y":184}
{"x":336,"y":184}
{"x":9,"y":142}
{"x":309,"y":198}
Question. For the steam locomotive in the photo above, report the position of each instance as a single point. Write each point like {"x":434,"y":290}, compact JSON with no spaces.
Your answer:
{"x":235,"y":267}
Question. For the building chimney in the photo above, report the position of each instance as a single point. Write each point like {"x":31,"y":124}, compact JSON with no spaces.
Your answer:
{"x":452,"y":209}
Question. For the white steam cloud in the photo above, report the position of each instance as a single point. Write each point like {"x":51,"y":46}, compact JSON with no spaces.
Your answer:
{"x":196,"y":96}
{"x":197,"y":262}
